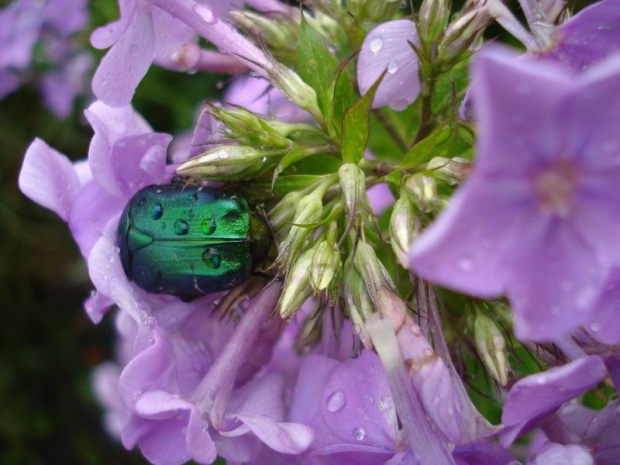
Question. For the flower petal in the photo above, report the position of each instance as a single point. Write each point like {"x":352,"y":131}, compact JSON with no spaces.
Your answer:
{"x":286,"y":438}
{"x":387,"y":48}
{"x":108,"y":276}
{"x":537,"y":395}
{"x":589,"y":36}
{"x":552,"y":280}
{"x":518,"y":105}
{"x":48,"y":178}
{"x":466,"y":247}
{"x":124,"y":66}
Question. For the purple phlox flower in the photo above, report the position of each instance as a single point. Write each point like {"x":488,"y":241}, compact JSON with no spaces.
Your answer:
{"x":598,"y":431}
{"x":124,"y":156}
{"x":387,"y":48}
{"x":20,"y":24}
{"x":380,"y":198}
{"x":163,"y":33}
{"x":533,"y":400}
{"x":537,"y":218}
{"x":587,"y":38}
{"x":187,"y":395}
{"x":604,"y":324}
{"x":351,"y":409}
{"x":26,"y":22}
{"x":558,"y":454}
{"x":259,"y":96}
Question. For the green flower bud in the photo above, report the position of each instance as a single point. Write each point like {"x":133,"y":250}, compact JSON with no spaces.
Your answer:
{"x":404,"y":228}
{"x":280,"y":34}
{"x":461,"y":35}
{"x":309,"y":211}
{"x":248,"y":129}
{"x":373,"y":273}
{"x":353,"y":187}
{"x":295,"y":89}
{"x":326,"y":264}
{"x":491,"y":347}
{"x":282,"y":215}
{"x":450,"y":170}
{"x":358,"y":303}
{"x":432,"y":20}
{"x":423,"y":192}
{"x":297,"y":286}
{"x":228,"y":162}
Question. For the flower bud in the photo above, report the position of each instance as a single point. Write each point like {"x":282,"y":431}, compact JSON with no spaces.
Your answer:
{"x":227,"y":162}
{"x":491,"y":347}
{"x":451,"y":170}
{"x":404,"y":228}
{"x":373,"y":273}
{"x":326,"y":263}
{"x":309,"y":211}
{"x":281,"y":34}
{"x":432,"y":20}
{"x":358,"y":303}
{"x":295,"y":89}
{"x":422,"y":191}
{"x":297,"y":286}
{"x":248,"y":129}
{"x":353,"y":187}
{"x":282,"y":215}
{"x":460,"y":36}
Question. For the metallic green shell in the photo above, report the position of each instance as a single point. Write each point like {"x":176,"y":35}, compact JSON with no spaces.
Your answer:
{"x":190,"y":240}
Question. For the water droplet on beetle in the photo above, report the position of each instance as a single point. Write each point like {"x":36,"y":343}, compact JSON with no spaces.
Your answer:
{"x":158,"y":211}
{"x":335,"y":401}
{"x":181,"y":227}
{"x":376,"y":44}
{"x":208,"y":226}
{"x":212,"y":258}
{"x":359,"y":433}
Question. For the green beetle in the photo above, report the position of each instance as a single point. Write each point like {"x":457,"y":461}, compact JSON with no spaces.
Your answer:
{"x":189,"y":240}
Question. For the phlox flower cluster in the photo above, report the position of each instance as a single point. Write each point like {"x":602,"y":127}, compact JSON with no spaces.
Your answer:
{"x":355,"y":343}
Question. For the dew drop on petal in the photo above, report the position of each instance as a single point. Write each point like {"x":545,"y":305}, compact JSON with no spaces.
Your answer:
{"x":399,"y":105}
{"x":385,"y":403}
{"x":205,"y":13}
{"x":465,"y":264}
{"x":392,"y":67}
{"x":376,"y":44}
{"x":595,"y":327}
{"x":335,"y":401}
{"x":359,"y":433}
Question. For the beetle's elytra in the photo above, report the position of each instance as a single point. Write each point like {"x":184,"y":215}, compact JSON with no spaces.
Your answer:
{"x":190,"y":240}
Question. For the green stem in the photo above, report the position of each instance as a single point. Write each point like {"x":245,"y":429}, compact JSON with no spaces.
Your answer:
{"x":391,"y":129}
{"x":427,"y":122}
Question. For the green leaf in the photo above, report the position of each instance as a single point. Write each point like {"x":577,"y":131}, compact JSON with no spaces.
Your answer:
{"x":317,"y":64}
{"x":344,"y":97}
{"x":295,"y":182}
{"x":356,"y":126}
{"x":449,"y":140}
